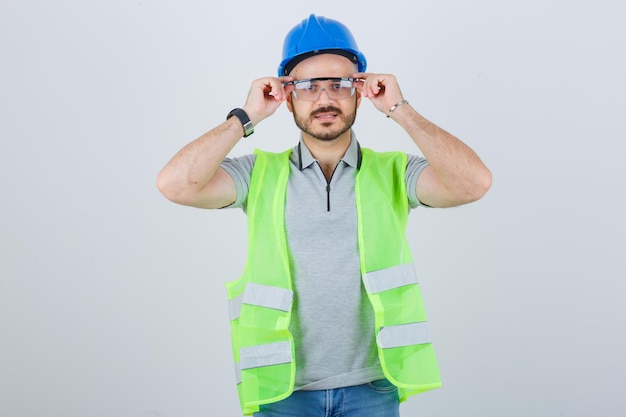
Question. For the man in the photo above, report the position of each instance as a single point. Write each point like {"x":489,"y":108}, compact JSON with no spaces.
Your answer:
{"x":327,"y":318}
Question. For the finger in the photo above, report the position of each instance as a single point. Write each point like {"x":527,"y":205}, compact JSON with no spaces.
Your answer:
{"x":286,"y":86}
{"x":361,"y":82}
{"x":288,"y":89}
{"x":275,"y":88}
{"x":372,"y":85}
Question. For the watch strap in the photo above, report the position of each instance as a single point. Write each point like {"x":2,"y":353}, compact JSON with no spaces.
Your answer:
{"x":248,"y":127}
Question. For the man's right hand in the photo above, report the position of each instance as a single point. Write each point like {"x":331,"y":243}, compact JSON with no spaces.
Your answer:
{"x":265,"y":96}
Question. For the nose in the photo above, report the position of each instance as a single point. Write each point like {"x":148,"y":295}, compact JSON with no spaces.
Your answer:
{"x":324,"y":89}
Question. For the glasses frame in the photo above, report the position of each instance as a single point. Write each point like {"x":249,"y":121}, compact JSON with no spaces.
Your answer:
{"x":296,"y":82}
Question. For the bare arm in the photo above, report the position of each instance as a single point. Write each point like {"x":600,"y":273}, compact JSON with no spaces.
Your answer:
{"x":193,"y":177}
{"x":455,"y":174}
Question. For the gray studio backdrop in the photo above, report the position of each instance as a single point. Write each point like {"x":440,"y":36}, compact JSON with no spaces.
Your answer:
{"x":112,"y":300}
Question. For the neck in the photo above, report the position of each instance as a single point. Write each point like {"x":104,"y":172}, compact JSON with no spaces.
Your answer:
{"x":328,"y":152}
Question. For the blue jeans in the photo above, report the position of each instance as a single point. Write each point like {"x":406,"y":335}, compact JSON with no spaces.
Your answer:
{"x":374,"y":399}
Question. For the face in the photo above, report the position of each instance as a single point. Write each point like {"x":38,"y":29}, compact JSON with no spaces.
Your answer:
{"x":325,"y":119}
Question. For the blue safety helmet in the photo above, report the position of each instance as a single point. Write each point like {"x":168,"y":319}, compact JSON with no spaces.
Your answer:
{"x":319,"y":35}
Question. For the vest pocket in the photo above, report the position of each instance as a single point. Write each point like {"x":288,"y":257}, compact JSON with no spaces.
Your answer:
{"x":264,"y":385}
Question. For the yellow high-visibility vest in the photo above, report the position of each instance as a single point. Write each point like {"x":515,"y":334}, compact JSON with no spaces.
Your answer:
{"x":260,"y":301}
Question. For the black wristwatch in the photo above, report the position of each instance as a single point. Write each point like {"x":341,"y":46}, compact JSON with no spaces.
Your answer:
{"x":248,"y":127}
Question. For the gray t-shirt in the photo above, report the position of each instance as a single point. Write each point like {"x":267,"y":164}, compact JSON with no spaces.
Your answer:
{"x":332,"y":320}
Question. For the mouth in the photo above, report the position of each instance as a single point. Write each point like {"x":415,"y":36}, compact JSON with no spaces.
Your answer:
{"x":326,"y":115}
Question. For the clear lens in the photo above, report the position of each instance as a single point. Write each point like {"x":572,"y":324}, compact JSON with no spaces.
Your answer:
{"x":336,"y":88}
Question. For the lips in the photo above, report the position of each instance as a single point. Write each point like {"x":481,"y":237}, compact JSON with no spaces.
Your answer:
{"x":326,"y":114}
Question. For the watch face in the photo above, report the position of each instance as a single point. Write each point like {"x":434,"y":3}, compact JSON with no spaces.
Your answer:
{"x":249,"y":129}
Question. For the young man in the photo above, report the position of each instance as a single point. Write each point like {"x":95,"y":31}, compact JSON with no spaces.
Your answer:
{"x":327,"y":318}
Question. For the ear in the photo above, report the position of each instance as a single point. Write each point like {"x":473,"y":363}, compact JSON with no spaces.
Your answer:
{"x":289,"y":102}
{"x":359,"y":95}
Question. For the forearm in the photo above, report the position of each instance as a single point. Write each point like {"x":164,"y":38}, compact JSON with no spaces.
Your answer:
{"x":193,"y":176}
{"x":189,"y":172}
{"x":457,"y":168}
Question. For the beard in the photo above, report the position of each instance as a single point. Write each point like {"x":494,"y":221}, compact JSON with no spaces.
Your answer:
{"x":323,"y":133}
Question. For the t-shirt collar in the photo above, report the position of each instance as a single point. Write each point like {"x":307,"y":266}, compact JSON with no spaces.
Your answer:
{"x":302,"y":157}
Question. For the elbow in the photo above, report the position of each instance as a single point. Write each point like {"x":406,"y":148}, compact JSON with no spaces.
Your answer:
{"x":483,"y":183}
{"x":163,"y":185}
{"x":185,"y":194}
{"x":168,"y":188}
{"x":479,"y":186}
{"x":470,"y":190}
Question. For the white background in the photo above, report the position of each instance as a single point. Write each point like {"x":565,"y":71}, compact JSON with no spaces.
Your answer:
{"x":112,"y":300}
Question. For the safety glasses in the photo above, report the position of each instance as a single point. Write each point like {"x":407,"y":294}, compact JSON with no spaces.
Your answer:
{"x":310,"y":89}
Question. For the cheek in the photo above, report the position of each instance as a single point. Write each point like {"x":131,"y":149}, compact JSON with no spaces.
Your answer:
{"x":299,"y":108}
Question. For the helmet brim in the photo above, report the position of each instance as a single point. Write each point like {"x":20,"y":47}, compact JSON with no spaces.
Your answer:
{"x":288,"y":66}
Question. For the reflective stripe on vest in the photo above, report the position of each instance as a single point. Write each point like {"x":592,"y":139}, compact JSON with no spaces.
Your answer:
{"x":262,"y":296}
{"x":262,"y":355}
{"x":237,"y":373}
{"x":389,"y":278}
{"x":403,"y":335}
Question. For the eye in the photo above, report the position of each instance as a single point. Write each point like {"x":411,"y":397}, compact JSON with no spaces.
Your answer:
{"x":306,"y":86}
